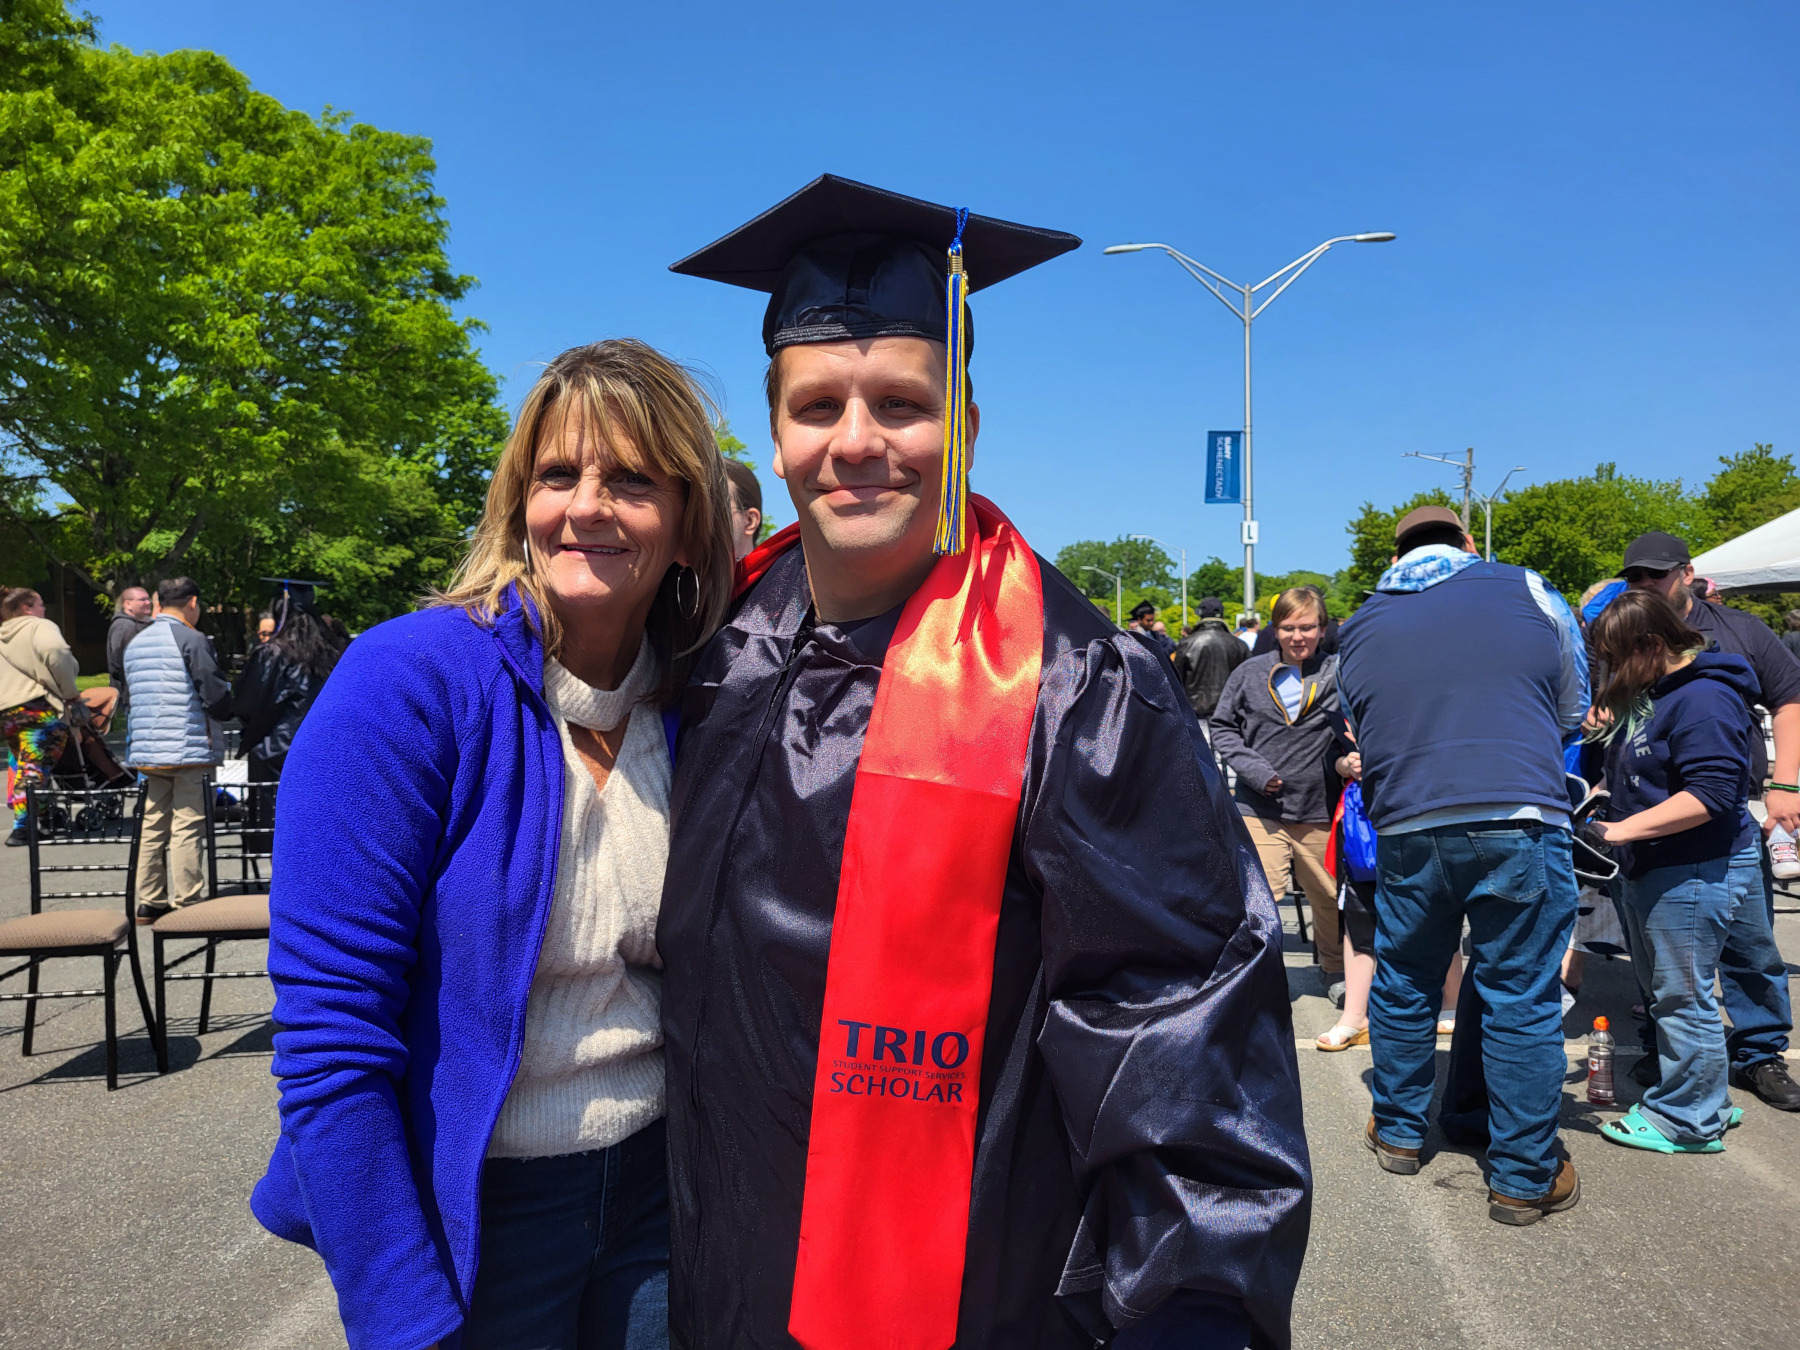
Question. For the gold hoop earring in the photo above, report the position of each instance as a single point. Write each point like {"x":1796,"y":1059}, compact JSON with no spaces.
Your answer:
{"x":694,"y":612}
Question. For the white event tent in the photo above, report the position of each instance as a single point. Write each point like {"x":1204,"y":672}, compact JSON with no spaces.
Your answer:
{"x":1768,"y":556}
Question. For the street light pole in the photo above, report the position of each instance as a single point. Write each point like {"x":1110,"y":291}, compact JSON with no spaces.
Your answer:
{"x":1118,"y":592}
{"x":1159,"y":543}
{"x":1247,"y":309}
{"x":1466,"y":467}
{"x":1487,"y":507}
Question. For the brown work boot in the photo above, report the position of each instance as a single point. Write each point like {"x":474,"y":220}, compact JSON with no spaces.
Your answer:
{"x":1565,"y":1193}
{"x":1401,"y":1161}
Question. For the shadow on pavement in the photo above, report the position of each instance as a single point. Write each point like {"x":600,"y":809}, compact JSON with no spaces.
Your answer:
{"x":137,"y":1057}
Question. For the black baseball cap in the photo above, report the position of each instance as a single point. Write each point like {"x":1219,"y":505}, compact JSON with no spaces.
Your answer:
{"x":1212,"y":608}
{"x":1655,"y":551}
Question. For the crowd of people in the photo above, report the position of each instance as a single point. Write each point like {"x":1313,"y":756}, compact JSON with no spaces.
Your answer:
{"x":170,"y":688}
{"x":1421,"y":773}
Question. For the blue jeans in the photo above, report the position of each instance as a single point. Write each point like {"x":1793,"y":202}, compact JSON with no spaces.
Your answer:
{"x":1752,"y":976}
{"x":575,"y":1251}
{"x":1678,"y":919}
{"x":1516,"y":885}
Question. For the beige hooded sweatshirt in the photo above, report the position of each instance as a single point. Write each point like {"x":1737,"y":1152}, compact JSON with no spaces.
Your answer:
{"x":35,"y":662}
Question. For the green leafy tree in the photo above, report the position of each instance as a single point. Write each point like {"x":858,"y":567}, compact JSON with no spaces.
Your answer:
{"x":226,"y":334}
{"x":732,"y":448}
{"x":1144,"y":566}
{"x":1574,"y":531}
{"x":1751,"y":488}
{"x":1219,"y":578}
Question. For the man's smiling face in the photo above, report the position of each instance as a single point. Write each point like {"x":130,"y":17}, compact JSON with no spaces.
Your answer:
{"x":859,"y":440}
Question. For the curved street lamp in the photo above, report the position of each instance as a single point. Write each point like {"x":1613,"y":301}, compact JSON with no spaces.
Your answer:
{"x":1247,"y":308}
{"x":1487,"y":506}
{"x":1118,"y":580}
{"x":1183,"y":552}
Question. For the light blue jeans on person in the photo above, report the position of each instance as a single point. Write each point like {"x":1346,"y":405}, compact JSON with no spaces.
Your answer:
{"x":1516,"y":884}
{"x":1677,"y":918}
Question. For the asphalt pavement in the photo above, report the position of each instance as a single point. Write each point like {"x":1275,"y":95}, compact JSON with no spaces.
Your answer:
{"x":123,"y":1220}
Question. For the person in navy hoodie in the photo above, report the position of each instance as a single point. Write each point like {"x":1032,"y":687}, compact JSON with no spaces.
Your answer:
{"x":1678,"y":731}
{"x":462,"y":938}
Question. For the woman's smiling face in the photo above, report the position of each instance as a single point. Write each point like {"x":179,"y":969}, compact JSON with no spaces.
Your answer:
{"x":602,"y":534}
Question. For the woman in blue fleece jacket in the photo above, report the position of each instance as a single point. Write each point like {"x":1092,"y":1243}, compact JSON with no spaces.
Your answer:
{"x":462,"y":934}
{"x":1678,"y":729}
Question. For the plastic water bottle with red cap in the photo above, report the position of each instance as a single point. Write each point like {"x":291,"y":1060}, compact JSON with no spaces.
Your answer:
{"x":1600,"y":1064}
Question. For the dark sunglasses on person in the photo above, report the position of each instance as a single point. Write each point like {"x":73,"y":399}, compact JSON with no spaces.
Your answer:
{"x":1636,"y":574}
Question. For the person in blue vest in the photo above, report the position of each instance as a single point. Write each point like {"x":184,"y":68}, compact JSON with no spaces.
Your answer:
{"x":463,"y":929}
{"x":1461,"y":679}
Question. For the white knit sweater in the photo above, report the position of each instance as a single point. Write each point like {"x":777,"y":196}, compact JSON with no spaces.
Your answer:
{"x":592,"y":1068}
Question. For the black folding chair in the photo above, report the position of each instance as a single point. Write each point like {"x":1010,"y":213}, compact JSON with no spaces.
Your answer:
{"x":240,"y":835}
{"x":58,"y":818}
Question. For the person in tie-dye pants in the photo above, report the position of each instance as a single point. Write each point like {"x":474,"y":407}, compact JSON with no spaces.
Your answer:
{"x":37,"y":736}
{"x":37,"y":680}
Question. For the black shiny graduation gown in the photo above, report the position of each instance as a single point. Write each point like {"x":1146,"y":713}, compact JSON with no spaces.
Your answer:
{"x":1139,"y":1129}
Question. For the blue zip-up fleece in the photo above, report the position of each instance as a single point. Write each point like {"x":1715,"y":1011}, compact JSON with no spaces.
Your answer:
{"x":415,"y":867}
{"x":1697,"y":739}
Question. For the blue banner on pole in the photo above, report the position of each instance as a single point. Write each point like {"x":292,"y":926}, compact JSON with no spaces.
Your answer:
{"x":1224,"y":466}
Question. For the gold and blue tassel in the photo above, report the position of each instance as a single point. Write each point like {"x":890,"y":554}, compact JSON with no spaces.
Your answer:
{"x":953,"y":501}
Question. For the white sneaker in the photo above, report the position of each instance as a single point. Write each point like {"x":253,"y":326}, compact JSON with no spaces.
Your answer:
{"x":1784,"y":859}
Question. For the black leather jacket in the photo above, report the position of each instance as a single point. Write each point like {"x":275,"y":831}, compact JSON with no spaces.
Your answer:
{"x":1205,"y":660}
{"x":272,"y":696}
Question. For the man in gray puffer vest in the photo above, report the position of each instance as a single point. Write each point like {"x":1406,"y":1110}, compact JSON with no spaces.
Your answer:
{"x":177,"y":697}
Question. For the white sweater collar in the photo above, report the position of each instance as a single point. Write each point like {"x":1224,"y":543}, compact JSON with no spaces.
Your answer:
{"x":598,"y":709}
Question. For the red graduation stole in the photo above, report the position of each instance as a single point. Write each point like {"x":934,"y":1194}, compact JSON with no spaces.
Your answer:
{"x":891,"y":1154}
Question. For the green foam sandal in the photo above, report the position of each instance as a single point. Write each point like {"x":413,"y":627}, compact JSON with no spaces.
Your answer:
{"x":1633,"y":1131}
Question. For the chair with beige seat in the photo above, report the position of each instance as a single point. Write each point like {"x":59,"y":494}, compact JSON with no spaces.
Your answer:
{"x":59,"y":818}
{"x":236,"y":908}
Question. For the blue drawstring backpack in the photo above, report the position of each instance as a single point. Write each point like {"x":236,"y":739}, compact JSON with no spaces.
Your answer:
{"x":1359,"y":836}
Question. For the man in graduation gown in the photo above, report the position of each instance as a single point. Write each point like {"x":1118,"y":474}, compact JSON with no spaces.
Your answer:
{"x":977,"y":1028}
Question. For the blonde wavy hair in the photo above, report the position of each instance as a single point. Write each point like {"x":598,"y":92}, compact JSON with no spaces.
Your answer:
{"x":648,"y":411}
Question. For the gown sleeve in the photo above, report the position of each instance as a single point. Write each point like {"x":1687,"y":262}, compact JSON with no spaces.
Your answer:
{"x":253,"y":697}
{"x":1168,"y":1034}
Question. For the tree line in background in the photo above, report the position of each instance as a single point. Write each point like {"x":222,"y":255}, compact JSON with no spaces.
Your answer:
{"x":227,"y":341}
{"x":1573,"y":531}
{"x":1149,"y":573}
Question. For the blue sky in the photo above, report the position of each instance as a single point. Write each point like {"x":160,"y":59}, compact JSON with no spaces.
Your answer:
{"x":1596,"y":204}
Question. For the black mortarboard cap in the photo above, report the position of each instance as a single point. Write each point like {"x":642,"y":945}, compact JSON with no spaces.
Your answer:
{"x":291,"y":593}
{"x":844,"y":260}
